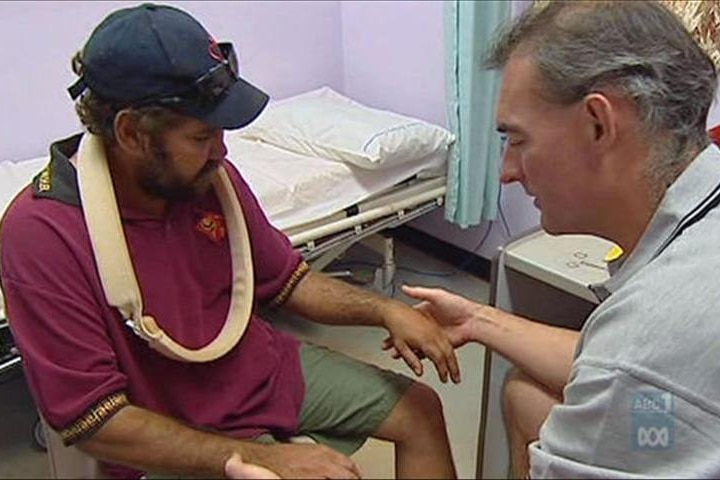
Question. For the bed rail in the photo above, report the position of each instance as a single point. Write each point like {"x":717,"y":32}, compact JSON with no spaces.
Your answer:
{"x":369,"y":217}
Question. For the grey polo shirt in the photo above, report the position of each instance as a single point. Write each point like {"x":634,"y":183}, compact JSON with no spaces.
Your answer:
{"x":643,"y":399}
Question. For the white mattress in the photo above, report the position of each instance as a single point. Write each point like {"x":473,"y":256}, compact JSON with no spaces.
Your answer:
{"x":295,"y":189}
{"x":16,"y":175}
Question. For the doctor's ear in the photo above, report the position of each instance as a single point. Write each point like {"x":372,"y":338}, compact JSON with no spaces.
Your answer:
{"x":603,"y":118}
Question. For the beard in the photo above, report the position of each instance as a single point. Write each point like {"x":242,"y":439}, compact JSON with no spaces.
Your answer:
{"x":159,"y":179}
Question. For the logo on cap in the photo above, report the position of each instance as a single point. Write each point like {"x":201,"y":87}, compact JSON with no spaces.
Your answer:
{"x":214,"y":50}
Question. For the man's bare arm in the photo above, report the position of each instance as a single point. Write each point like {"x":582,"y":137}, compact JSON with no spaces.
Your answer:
{"x":147,"y":441}
{"x":322,"y":299}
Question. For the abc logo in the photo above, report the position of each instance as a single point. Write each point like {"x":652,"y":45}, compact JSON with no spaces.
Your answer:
{"x":653,"y":437}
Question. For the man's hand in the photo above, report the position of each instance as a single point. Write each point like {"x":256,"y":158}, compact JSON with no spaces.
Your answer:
{"x":414,"y":335}
{"x":297,"y":461}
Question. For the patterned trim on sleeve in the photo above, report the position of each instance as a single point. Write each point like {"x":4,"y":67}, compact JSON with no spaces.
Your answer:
{"x":302,"y":269}
{"x":94,"y":418}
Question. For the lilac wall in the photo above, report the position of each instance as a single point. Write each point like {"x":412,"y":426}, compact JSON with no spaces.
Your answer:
{"x":394,"y":58}
{"x":714,"y":116}
{"x":284,"y":47}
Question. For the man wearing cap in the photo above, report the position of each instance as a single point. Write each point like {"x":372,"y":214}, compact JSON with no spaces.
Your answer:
{"x":133,"y":265}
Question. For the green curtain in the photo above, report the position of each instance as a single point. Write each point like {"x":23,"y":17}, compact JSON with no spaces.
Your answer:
{"x":474,"y":164}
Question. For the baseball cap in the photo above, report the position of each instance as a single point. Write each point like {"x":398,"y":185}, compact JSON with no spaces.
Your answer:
{"x":160,"y":55}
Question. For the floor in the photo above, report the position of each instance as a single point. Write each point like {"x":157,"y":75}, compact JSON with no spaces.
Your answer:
{"x":20,"y":459}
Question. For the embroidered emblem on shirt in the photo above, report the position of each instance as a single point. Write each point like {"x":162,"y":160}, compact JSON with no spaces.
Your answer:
{"x":212,"y":225}
{"x":44,"y":184}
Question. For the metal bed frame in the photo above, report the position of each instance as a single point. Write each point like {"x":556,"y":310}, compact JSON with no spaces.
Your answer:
{"x":323,"y":241}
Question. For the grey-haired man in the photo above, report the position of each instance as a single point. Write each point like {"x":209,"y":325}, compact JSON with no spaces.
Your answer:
{"x":604,"y":106}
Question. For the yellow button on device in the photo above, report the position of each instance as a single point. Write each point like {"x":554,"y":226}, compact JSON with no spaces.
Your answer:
{"x":614,"y":253}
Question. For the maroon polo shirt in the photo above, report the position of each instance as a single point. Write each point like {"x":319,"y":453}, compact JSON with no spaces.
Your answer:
{"x":76,"y":350}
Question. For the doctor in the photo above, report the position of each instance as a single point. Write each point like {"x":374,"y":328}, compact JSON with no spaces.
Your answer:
{"x":134,"y":266}
{"x":604,"y":106}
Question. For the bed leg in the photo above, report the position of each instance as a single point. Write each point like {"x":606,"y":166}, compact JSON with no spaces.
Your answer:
{"x":385,"y":246}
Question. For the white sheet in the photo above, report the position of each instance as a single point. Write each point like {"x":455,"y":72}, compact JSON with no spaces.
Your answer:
{"x":295,"y":189}
{"x":14,"y":176}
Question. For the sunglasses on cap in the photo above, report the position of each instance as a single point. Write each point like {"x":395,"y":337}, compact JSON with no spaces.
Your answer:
{"x":210,"y":87}
{"x":207,"y":89}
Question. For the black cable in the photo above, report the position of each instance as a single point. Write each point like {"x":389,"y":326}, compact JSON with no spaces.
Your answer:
{"x":502,"y":214}
{"x":503,"y":146}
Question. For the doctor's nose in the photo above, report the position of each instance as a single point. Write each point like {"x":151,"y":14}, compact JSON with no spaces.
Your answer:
{"x":510,"y":171}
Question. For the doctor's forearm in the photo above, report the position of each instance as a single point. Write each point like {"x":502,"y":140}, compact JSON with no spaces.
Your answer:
{"x":542,"y":351}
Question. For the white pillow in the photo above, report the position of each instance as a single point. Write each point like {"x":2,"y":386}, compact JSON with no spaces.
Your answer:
{"x":323,"y":123}
{"x":14,"y":176}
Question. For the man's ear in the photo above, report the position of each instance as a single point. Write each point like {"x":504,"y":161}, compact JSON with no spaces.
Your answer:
{"x":602,"y":116}
{"x":129,"y":138}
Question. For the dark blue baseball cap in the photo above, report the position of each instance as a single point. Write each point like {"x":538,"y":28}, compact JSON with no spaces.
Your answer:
{"x":160,"y":55}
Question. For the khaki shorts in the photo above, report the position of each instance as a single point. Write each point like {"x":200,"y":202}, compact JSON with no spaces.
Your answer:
{"x":346,"y":400}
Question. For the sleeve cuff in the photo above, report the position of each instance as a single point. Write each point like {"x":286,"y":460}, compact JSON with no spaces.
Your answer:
{"x":94,"y":418}
{"x":302,"y":269}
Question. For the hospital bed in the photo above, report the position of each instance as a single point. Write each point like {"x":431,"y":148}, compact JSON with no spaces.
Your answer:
{"x":330,"y":171}
{"x":325,"y":207}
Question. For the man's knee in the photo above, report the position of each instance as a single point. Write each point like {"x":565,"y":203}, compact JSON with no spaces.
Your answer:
{"x":422,"y":402}
{"x":418,"y":410}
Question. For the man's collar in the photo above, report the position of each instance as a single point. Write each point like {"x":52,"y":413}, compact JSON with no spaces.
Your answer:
{"x":58,"y":180}
{"x":695,"y":191}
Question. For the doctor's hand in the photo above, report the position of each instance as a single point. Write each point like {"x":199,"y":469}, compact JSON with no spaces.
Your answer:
{"x":456,"y":314}
{"x":414,"y":336}
{"x":237,"y":469}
